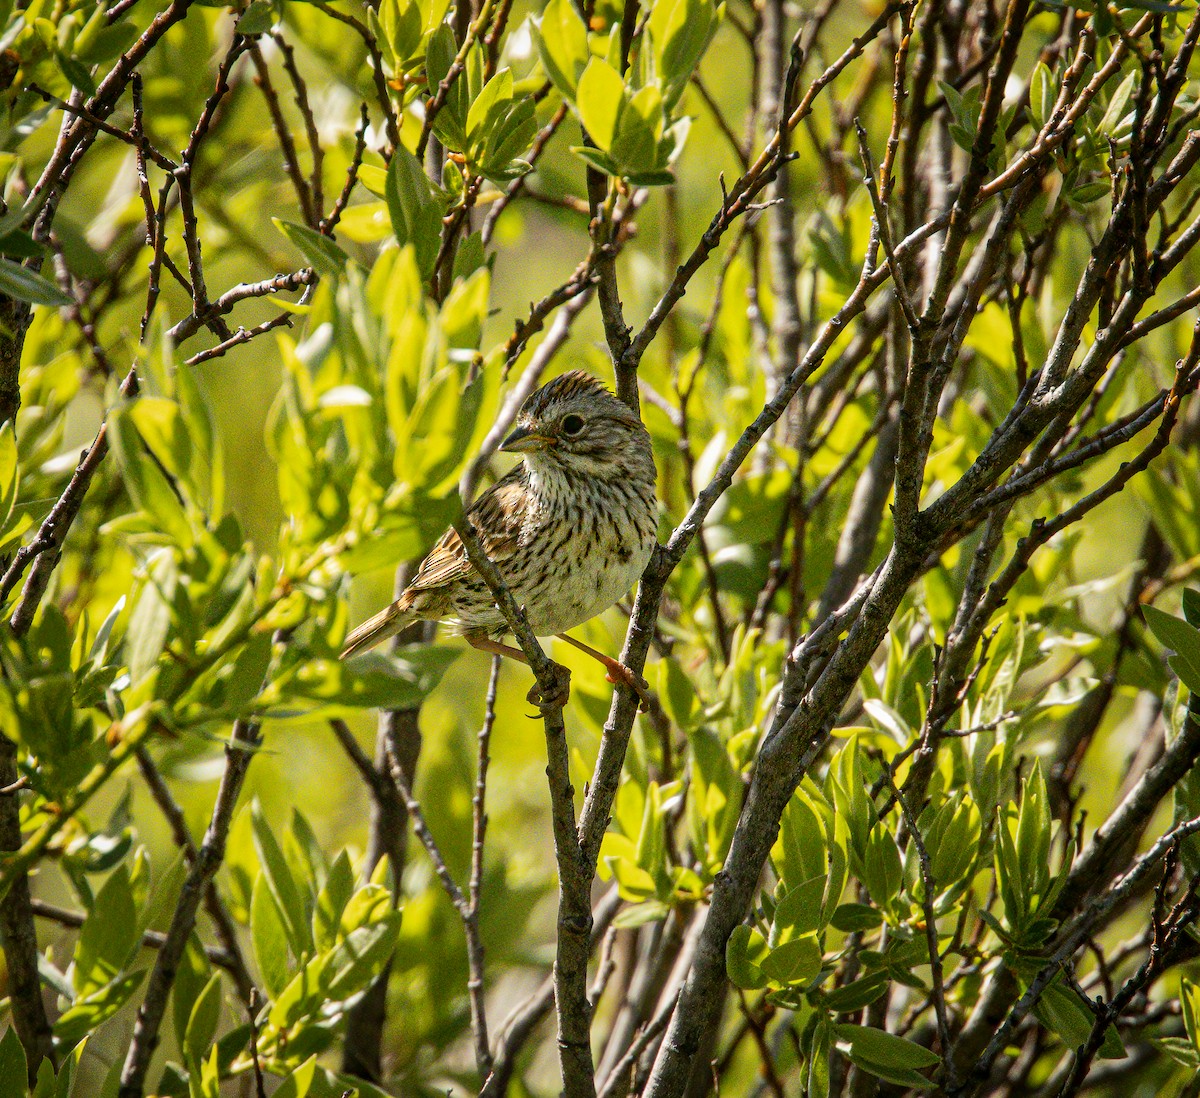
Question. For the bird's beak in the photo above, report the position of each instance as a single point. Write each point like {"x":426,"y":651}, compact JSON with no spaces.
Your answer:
{"x":523,"y":440}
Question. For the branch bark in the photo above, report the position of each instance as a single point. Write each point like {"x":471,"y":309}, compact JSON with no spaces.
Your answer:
{"x":244,"y":740}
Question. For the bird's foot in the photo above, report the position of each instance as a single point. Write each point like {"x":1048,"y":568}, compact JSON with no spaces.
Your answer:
{"x":555,"y":697}
{"x":618,"y":672}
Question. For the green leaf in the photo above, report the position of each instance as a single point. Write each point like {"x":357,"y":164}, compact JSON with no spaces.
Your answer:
{"x":745,"y":949}
{"x":202,"y":1024}
{"x":1033,"y":835}
{"x":852,"y":917}
{"x":490,"y":104}
{"x":1042,"y":94}
{"x":109,"y":935}
{"x":881,"y":870}
{"x":639,"y":132}
{"x":368,"y":681}
{"x":860,"y":993}
{"x":258,"y":18}
{"x":76,"y":73}
{"x":190,"y":981}
{"x":502,"y":131}
{"x":1062,"y":1012}
{"x":268,"y":939}
{"x":13,"y":1067}
{"x":1189,"y":1002}
{"x":1180,"y":1050}
{"x":800,"y":910}
{"x":901,"y":1076}
{"x":1160,"y":7}
{"x":44,"y":1087}
{"x":332,"y":901}
{"x":338,"y":975}
{"x":470,"y":256}
{"x":1191,"y":607}
{"x":106,"y":43}
{"x":360,"y":957}
{"x":147,"y":484}
{"x":680,"y":31}
{"x":1118,"y":106}
{"x":879,"y":1047}
{"x":799,"y":853}
{"x":635,"y":884}
{"x":89,"y":1011}
{"x":323,"y":254}
{"x":24,"y":285}
{"x":246,"y":674}
{"x":160,"y":423}
{"x":298,"y":1083}
{"x":20,"y":245}
{"x":1184,"y":639}
{"x":450,"y":123}
{"x":794,"y":962}
{"x":714,"y":798}
{"x":282,"y":885}
{"x":66,"y":1074}
{"x":562,"y":45}
{"x":9,"y":473}
{"x":206,"y":1082}
{"x":403,"y":23}
{"x":600,"y":101}
{"x":677,"y":693}
{"x":594,"y":158}
{"x":651,"y":840}
{"x":635,"y":915}
{"x":1090,"y":192}
{"x":150,"y":620}
{"x":416,"y":214}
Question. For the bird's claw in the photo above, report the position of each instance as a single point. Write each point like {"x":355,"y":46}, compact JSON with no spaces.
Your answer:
{"x":555,"y":697}
{"x":618,"y":672}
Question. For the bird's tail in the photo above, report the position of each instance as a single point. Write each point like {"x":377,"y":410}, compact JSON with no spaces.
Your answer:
{"x":387,"y":623}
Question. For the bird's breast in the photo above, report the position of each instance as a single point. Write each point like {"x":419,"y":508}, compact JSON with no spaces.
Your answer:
{"x":590,"y":550}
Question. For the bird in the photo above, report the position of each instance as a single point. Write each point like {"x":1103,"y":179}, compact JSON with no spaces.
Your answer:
{"x":570,"y":529}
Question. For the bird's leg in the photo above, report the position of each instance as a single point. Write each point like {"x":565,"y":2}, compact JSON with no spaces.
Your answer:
{"x":485,"y":643}
{"x":561,"y":690}
{"x":616,"y":671}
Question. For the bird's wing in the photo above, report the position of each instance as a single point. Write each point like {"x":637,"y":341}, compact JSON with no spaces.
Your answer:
{"x":497,"y":517}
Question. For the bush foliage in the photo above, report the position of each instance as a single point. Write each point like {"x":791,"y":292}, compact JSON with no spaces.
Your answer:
{"x":905,"y":296}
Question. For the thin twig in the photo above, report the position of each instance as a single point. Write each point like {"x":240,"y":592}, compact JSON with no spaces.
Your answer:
{"x":152,"y":939}
{"x":479,"y":821}
{"x":929,"y":892}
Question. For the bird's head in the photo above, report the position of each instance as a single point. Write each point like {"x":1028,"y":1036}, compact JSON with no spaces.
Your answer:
{"x":575,"y":424}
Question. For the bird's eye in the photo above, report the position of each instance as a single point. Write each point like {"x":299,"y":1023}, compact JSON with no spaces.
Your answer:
{"x":572,"y":424}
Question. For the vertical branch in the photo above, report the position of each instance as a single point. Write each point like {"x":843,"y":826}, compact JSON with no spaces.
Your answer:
{"x":398,"y":737}
{"x":479,"y":1027}
{"x":574,"y":925}
{"x":14,"y":323}
{"x":244,"y":739}
{"x":283,"y":134}
{"x":17,"y":928}
{"x":602,"y":202}
{"x":316,"y":186}
{"x":928,"y":887}
{"x":786,"y":325}
{"x":467,"y":911}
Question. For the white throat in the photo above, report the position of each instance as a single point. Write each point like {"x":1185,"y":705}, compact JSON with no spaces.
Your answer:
{"x":546,"y":479}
